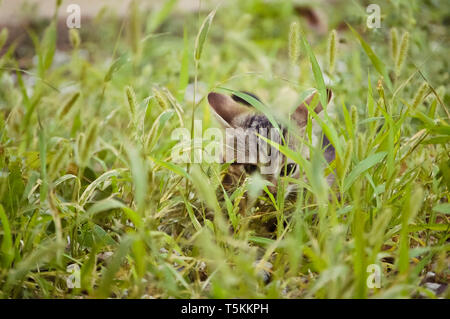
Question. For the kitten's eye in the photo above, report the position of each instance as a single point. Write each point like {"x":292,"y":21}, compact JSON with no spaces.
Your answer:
{"x":250,"y":168}
{"x":289,"y":170}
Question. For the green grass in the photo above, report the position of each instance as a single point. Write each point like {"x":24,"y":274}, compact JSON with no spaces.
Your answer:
{"x":86,"y":175}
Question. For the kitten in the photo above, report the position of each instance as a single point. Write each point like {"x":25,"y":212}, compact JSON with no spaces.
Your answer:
{"x":234,"y":112}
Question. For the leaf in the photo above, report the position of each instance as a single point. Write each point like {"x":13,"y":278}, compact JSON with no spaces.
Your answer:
{"x":442,"y":208}
{"x":205,"y":190}
{"x":139,"y":255}
{"x":295,"y":156}
{"x":441,"y":139}
{"x":271,"y":197}
{"x":43,"y":157}
{"x":174,"y":168}
{"x":3,"y":36}
{"x":139,"y":175}
{"x":261,"y":240}
{"x":91,"y":188}
{"x":363,"y":166}
{"x":104,"y":205}
{"x":411,"y":207}
{"x":327,"y":126}
{"x":49,"y":44}
{"x":6,"y":248}
{"x":435,"y":227}
{"x":317,"y":74}
{"x":113,"y":267}
{"x":102,"y":236}
{"x":87,"y":270}
{"x":117,"y":64}
{"x":109,"y":204}
{"x":64,"y":178}
{"x":162,"y":120}
{"x":135,"y":218}
{"x":257,"y":105}
{"x":202,"y":34}
{"x":34,"y":259}
{"x":377,"y":63}
{"x":157,"y":127}
{"x":194,"y":220}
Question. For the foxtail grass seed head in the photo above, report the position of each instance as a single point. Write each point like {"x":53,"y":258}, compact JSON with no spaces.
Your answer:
{"x":92,"y":134}
{"x":294,"y":43}
{"x":131,"y":98}
{"x":89,"y":141}
{"x":380,"y":88}
{"x":79,"y":145}
{"x":343,"y":161}
{"x":332,"y":44}
{"x":362,"y":145}
{"x":420,"y":95}
{"x":347,"y":158}
{"x":74,"y":38}
{"x":202,"y":34}
{"x":159,"y":96}
{"x":68,"y":105}
{"x":354,"y":116}
{"x":402,"y":53}
{"x":115,"y":66}
{"x":394,"y":43}
{"x":2,"y":126}
{"x":59,"y":160}
{"x":3,"y":37}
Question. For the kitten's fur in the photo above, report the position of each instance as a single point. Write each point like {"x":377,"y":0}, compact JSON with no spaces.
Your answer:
{"x":235,"y":112}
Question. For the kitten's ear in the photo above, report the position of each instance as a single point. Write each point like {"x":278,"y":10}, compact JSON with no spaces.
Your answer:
{"x":225,"y":108}
{"x":301,"y":113}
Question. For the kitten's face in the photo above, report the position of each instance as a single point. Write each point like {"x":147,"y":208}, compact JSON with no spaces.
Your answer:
{"x":244,"y":121}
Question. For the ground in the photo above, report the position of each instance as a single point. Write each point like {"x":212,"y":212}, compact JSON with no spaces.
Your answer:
{"x":93,"y":205}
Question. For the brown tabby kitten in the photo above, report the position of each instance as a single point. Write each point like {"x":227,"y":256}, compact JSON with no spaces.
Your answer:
{"x":234,"y":112}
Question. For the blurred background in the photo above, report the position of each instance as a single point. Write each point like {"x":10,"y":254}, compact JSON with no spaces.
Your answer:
{"x":86,"y":116}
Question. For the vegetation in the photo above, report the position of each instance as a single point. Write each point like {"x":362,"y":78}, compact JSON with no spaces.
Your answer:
{"x":88,"y":189}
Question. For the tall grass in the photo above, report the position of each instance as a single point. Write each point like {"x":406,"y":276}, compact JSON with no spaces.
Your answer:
{"x":87,"y":177}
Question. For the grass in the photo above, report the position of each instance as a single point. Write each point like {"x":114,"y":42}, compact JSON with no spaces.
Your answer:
{"x":87,"y":181}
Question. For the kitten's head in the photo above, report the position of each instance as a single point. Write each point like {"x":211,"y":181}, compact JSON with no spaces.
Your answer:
{"x":239,"y":117}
